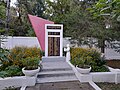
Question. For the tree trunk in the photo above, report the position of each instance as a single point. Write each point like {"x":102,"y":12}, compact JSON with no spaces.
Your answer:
{"x":102,"y":46}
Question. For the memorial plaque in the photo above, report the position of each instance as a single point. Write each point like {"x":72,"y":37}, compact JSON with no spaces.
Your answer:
{"x":54,"y":27}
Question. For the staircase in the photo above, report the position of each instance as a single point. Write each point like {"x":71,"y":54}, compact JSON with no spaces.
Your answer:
{"x":55,"y":69}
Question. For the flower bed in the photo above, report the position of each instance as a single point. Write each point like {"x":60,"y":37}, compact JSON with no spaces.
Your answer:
{"x":111,"y":77}
{"x":12,"y":62}
{"x":113,"y":63}
{"x":109,"y":86}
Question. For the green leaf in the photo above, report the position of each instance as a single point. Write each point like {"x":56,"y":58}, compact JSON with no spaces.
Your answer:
{"x":104,"y":9}
{"x":118,"y":18}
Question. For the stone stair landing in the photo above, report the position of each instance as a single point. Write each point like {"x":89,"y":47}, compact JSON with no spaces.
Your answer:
{"x":53,"y":59}
{"x":55,"y":70}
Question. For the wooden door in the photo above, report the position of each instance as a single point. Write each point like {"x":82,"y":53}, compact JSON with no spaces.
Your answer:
{"x":53,"y":46}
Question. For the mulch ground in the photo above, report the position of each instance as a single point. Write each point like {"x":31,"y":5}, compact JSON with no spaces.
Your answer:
{"x":71,"y":85}
{"x":113,"y":63}
{"x":109,"y":86}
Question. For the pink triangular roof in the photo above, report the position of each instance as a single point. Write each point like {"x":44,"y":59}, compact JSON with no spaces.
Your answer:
{"x":38,"y":25}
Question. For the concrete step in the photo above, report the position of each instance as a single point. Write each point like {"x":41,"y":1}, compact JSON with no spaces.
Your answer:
{"x":56,"y":69}
{"x":57,"y":79}
{"x":55,"y":65}
{"x":53,"y":59}
{"x":55,"y":73}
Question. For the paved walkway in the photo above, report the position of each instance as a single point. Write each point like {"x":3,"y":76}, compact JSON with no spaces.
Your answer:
{"x":70,"y":85}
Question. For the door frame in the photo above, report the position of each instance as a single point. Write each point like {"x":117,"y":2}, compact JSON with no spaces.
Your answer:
{"x":54,"y":30}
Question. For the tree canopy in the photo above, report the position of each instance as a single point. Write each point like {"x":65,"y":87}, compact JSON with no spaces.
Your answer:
{"x":87,"y":21}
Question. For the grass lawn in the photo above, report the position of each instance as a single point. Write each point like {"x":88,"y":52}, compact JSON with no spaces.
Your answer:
{"x":109,"y":86}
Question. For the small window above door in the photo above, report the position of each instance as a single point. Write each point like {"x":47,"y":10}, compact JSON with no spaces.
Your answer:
{"x":53,"y":33}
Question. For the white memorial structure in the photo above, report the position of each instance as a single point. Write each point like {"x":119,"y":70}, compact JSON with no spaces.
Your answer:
{"x":53,"y":40}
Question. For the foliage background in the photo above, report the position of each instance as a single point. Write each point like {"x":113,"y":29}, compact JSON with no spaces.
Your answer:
{"x":90,"y":57}
{"x":13,"y":61}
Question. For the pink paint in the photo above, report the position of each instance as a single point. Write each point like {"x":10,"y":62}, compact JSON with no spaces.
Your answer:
{"x":38,"y":25}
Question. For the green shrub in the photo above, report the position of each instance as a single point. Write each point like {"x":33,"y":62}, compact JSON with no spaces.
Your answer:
{"x":11,"y":61}
{"x":19,"y":53}
{"x":4,"y":60}
{"x":4,"y":74}
{"x":31,"y":63}
{"x":74,"y":52}
{"x":14,"y":70}
{"x":3,"y":56}
{"x":99,"y":68}
{"x":88,"y":56}
{"x":11,"y":71}
{"x":83,"y":62}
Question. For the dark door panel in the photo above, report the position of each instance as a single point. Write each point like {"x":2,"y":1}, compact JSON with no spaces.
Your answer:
{"x":53,"y":46}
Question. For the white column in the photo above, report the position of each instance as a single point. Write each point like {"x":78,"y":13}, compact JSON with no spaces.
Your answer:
{"x":46,"y":41}
{"x":61,"y":41}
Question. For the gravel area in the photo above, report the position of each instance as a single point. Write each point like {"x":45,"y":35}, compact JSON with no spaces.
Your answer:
{"x":71,"y":85}
{"x":109,"y":86}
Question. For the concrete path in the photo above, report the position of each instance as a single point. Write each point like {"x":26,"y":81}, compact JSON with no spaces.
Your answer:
{"x":70,"y":85}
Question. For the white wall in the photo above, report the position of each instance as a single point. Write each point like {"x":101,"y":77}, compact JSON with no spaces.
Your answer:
{"x":20,"y":41}
{"x":32,"y":41}
{"x":25,"y":41}
{"x":111,"y":54}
